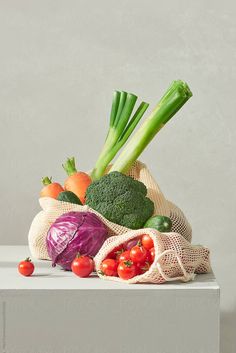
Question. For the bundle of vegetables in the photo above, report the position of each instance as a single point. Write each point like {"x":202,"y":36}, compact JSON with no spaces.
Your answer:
{"x":116,"y":196}
{"x":107,"y":189}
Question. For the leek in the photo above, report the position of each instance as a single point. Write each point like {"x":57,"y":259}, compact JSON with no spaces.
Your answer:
{"x":175,"y":97}
{"x":120,"y":128}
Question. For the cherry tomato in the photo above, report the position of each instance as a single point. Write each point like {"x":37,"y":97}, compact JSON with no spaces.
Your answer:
{"x":124,"y":256}
{"x":152,"y":253}
{"x":26,"y":267}
{"x":138,"y":254}
{"x":109,"y":267}
{"x":147,"y":241}
{"x":142,"y":267}
{"x":82,"y":266}
{"x":115,"y":252}
{"x":126,"y":270}
{"x":148,"y":257}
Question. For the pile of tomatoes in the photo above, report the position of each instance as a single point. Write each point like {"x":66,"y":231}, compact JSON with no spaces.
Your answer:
{"x":130,"y":259}
{"x":126,"y":261}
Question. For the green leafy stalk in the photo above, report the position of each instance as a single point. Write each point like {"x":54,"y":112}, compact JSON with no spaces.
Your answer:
{"x":115,"y":106}
{"x":122,"y":100}
{"x":69,"y":166}
{"x":120,"y":128}
{"x":175,"y":97}
{"x":46,"y":181}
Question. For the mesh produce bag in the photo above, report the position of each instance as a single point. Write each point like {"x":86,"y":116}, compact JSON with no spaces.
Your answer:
{"x":51,"y":209}
{"x":162,"y":206}
{"x":175,"y":258}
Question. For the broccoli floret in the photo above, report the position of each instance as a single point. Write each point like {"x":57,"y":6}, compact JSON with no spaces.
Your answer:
{"x":120,"y":199}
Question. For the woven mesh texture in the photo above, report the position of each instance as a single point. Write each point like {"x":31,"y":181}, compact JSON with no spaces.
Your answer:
{"x":180,"y":223}
{"x":175,"y":257}
{"x":52,"y":209}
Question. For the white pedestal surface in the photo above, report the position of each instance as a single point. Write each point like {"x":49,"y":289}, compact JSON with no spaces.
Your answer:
{"x":56,"y":312}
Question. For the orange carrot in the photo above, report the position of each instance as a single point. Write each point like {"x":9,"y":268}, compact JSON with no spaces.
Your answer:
{"x":77,"y":182}
{"x":50,"y":189}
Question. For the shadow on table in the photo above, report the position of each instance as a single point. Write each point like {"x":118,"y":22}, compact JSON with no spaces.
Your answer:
{"x":228,"y":332}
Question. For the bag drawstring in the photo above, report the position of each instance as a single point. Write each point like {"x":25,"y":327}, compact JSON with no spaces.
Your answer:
{"x":186,"y":276}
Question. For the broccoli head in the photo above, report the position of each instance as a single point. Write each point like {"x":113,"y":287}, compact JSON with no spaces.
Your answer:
{"x":120,"y":199}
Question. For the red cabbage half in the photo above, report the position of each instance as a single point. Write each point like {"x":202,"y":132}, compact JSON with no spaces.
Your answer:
{"x":74,"y":232}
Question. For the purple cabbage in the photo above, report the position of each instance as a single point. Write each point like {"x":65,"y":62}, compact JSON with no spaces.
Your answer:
{"x":131,"y":243}
{"x":74,"y":232}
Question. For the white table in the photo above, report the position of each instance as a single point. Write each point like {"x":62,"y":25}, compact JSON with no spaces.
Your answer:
{"x":57,"y":312}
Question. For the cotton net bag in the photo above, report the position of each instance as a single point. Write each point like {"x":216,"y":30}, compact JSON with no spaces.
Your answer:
{"x":175,"y":258}
{"x":52,"y":209}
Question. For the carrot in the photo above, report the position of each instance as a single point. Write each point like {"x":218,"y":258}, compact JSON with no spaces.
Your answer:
{"x":50,"y":189}
{"x":77,"y":182}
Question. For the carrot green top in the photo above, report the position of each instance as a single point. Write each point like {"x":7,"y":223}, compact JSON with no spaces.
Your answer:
{"x":69,"y":166}
{"x":46,"y":181}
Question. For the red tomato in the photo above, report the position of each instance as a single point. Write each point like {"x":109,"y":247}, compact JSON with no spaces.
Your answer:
{"x":126,"y":270}
{"x":26,"y":267}
{"x":124,"y":256}
{"x":82,"y":266}
{"x":147,"y":241}
{"x":109,"y":267}
{"x":115,"y":252}
{"x":152,"y":253}
{"x":142,"y":267}
{"x":148,"y":257}
{"x":138,"y":254}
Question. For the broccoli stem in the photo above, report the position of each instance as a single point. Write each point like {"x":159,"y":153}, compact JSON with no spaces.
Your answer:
{"x":121,"y":127}
{"x":175,"y":97}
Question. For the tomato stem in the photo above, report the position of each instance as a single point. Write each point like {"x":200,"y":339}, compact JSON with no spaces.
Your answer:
{"x":128,"y":263}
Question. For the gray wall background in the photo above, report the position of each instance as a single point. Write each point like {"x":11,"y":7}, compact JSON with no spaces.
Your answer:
{"x":59,"y":64}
